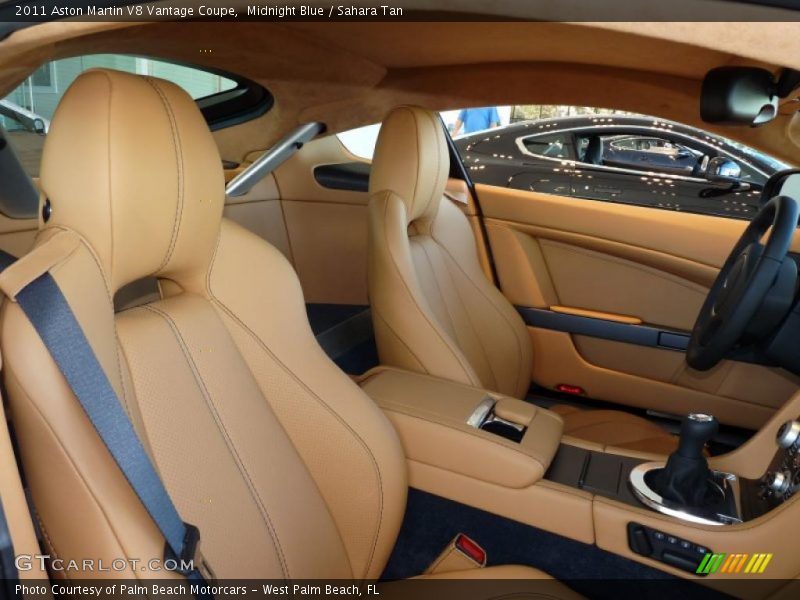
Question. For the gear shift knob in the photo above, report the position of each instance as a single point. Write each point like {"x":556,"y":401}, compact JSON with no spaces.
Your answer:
{"x":684,"y":479}
{"x":696,"y":430}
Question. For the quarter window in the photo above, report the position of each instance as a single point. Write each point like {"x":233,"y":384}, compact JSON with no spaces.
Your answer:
{"x":26,"y":112}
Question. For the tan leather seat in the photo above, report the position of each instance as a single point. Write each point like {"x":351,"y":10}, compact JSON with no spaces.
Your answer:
{"x":433,"y":309}
{"x":285,"y":465}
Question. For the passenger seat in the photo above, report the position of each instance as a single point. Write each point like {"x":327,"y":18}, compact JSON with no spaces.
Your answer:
{"x":433,"y":309}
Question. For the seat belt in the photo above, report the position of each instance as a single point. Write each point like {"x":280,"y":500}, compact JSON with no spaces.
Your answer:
{"x":48,"y":311}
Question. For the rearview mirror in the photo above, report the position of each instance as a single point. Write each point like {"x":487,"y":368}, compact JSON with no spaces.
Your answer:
{"x":738,"y":96}
{"x":723,"y":169}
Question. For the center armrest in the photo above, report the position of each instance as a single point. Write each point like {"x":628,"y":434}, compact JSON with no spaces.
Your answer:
{"x":438,"y":424}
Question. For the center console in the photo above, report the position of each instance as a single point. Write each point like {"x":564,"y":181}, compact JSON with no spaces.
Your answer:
{"x":508,"y":457}
{"x":467,"y":431}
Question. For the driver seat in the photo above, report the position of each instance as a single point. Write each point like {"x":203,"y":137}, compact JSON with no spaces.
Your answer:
{"x":285,"y":465}
{"x":433,"y":309}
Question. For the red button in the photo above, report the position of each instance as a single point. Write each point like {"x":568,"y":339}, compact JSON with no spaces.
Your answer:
{"x":469,"y":547}
{"x":567,"y":388}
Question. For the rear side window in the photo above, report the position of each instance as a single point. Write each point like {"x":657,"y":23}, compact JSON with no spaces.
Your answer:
{"x":225,"y":99}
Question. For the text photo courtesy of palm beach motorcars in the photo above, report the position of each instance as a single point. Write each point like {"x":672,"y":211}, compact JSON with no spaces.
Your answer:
{"x":399,"y":299}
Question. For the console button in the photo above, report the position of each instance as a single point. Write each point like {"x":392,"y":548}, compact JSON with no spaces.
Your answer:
{"x":669,"y":549}
{"x":640,"y":543}
{"x":679,"y":561}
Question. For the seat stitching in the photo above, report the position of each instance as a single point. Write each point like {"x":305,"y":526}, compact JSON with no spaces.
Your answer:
{"x":376,"y":467}
{"x":438,"y":287}
{"x":176,"y":144}
{"x":108,"y":174}
{"x":521,"y":376}
{"x":417,"y":166}
{"x":465,"y":367}
{"x":378,"y":314}
{"x":452,"y":319}
{"x":330,"y":410}
{"x":439,"y":139}
{"x":110,"y":297}
{"x":471,"y":321}
{"x":79,"y":475}
{"x":221,"y":426}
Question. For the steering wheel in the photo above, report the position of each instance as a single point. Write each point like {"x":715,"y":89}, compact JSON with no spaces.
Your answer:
{"x":743,"y":283}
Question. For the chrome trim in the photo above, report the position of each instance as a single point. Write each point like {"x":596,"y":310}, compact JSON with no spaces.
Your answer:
{"x":21,"y":114}
{"x":272,"y":158}
{"x":649,"y":129}
{"x":655,"y":501}
{"x":481,"y":412}
{"x":788,"y":434}
{"x":701,"y":417}
{"x":780,"y":482}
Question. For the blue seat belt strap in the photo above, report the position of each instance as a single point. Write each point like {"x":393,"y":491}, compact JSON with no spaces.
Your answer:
{"x":48,"y":311}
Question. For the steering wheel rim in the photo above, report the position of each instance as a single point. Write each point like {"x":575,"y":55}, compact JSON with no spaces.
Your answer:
{"x":743,"y":283}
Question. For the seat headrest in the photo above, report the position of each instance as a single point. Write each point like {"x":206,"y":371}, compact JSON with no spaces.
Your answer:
{"x":130,"y":165}
{"x":411,"y":161}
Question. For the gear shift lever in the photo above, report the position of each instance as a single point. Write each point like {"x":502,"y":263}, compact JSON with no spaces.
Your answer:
{"x":696,"y":430}
{"x":685,"y":477}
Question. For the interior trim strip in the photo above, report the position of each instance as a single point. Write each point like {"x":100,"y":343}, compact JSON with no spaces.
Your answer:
{"x":595,"y":314}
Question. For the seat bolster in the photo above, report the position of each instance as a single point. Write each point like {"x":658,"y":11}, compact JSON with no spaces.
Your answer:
{"x":84,"y":504}
{"x":408,"y":334}
{"x":500,"y":330}
{"x":346,"y":442}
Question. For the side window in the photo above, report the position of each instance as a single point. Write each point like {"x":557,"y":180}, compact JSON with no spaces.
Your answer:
{"x":556,"y":145}
{"x":650,"y":154}
{"x":361,"y":141}
{"x":26,"y":112}
{"x":614,"y":156}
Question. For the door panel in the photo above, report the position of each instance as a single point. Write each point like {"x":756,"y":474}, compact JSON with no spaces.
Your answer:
{"x":580,"y":275}
{"x":641,"y":263}
{"x":326,"y":227}
{"x":260,"y":211}
{"x":320,"y":229}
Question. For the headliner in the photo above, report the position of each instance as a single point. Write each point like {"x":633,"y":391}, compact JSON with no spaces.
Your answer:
{"x":348,"y":74}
